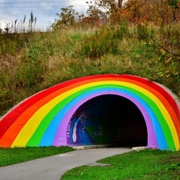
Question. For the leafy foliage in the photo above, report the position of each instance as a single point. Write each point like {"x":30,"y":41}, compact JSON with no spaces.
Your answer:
{"x":138,"y":37}
{"x":67,"y":18}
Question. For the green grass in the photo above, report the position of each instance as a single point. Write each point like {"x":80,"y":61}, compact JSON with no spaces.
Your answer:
{"x":17,"y":155}
{"x":146,"y":164}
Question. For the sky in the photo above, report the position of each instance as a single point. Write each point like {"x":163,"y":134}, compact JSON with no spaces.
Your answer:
{"x":44,"y":10}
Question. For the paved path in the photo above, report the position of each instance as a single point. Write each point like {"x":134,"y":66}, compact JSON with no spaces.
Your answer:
{"x":52,"y":168}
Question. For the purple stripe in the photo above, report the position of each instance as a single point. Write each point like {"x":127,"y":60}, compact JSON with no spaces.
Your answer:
{"x":61,"y":135}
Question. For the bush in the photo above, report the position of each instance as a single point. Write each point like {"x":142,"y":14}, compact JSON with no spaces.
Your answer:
{"x":103,"y":41}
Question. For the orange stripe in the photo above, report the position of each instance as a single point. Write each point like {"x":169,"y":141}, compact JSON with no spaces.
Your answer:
{"x":166,"y":104}
{"x":10,"y":135}
{"x":15,"y":128}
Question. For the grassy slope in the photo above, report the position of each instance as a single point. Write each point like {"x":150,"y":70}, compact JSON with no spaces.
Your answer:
{"x":32,"y":62}
{"x":147,"y":164}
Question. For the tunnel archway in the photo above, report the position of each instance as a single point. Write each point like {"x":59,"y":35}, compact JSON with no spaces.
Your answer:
{"x":109,"y":120}
{"x":43,"y":119}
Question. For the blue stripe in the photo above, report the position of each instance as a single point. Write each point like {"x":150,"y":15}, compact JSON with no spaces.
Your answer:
{"x":50,"y":133}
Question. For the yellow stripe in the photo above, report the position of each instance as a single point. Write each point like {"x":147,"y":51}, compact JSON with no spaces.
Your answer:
{"x":29,"y":128}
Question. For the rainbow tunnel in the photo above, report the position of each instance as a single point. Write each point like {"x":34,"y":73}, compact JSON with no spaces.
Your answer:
{"x":101,"y":109}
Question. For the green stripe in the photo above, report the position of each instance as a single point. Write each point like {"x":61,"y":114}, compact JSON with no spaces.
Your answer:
{"x":161,"y":119}
{"x":38,"y":134}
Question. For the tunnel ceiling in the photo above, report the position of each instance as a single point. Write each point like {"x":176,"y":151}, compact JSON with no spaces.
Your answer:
{"x":107,"y":119}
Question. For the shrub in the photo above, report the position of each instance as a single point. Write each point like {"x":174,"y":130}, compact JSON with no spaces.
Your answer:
{"x":103,"y":41}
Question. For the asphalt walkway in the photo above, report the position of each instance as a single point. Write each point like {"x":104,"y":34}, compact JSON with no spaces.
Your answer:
{"x":52,"y":168}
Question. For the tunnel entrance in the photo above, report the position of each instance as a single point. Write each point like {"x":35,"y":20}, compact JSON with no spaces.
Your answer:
{"x":110,"y":120}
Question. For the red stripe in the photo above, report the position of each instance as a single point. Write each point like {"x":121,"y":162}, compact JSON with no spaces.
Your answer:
{"x":153,"y":85}
{"x":11,"y":117}
{"x":163,"y":100}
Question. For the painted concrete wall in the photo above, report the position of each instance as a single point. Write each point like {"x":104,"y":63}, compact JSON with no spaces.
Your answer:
{"x":43,"y":119}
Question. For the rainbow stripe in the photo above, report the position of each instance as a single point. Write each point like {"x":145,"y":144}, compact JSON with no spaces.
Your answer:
{"x":42,"y":119}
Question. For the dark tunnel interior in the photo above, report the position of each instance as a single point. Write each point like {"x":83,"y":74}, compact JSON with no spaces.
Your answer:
{"x":109,"y":120}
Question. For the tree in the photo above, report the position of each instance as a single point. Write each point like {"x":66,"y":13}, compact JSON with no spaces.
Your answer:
{"x":98,"y":8}
{"x":105,"y":9}
{"x":67,"y":18}
{"x":174,"y":5}
{"x":154,"y":11}
{"x":120,"y":3}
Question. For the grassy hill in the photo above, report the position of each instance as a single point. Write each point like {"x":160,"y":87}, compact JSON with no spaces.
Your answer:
{"x":31,"y":62}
